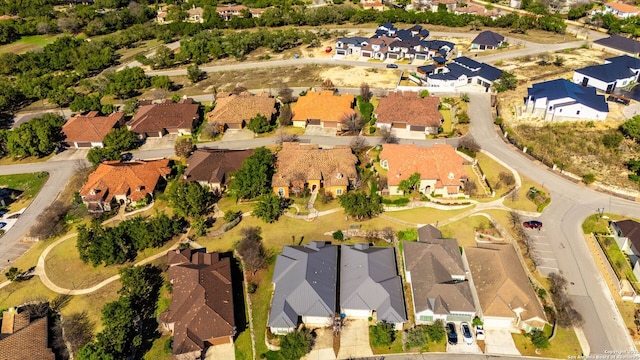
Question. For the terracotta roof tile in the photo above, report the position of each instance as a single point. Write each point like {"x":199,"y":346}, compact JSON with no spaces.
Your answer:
{"x":236,"y":109}
{"x":163,"y":116}
{"x":324,"y":106}
{"x":90,"y":127}
{"x":409,"y":108}
{"x":212,"y":165}
{"x":624,"y":8}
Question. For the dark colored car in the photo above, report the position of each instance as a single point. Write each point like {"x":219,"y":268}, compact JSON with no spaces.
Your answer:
{"x":452,"y":335}
{"x":532,"y":224}
{"x":392,"y":66}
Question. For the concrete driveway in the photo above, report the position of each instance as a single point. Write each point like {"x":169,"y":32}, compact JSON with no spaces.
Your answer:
{"x":237,"y":135}
{"x":407,"y":134}
{"x":219,"y":352}
{"x":354,"y":340}
{"x":164,"y":142}
{"x":322,"y":348}
{"x":317,"y":130}
{"x":70,"y":154}
{"x":499,"y":342}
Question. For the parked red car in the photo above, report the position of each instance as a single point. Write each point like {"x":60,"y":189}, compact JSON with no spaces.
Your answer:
{"x":532,"y":224}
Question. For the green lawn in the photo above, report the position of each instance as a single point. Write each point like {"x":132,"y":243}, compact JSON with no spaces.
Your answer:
{"x":260,"y":302}
{"x":426,"y":215}
{"x":394,"y":348}
{"x":159,"y":349}
{"x":27,"y":43}
{"x":563,"y":345}
{"x":522,"y":202}
{"x":26,"y":186}
{"x":243,"y":345}
{"x":462,"y":230}
{"x":227,"y":203}
{"x":617,"y":259}
{"x":447,"y":125}
{"x":596,"y":224}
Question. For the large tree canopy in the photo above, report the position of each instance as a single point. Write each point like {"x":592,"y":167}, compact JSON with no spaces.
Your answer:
{"x":254,"y":177}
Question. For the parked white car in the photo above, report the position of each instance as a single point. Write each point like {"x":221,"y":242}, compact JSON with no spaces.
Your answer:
{"x":479,"y":332}
{"x":466,"y":333}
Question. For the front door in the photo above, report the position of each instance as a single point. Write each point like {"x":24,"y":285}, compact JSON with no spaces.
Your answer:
{"x":610,"y":88}
{"x":585,"y":81}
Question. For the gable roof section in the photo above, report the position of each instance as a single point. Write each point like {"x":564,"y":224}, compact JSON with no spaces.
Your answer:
{"x":90,"y":127}
{"x":202,"y":304}
{"x":212,"y":165}
{"x":607,"y":72}
{"x":623,"y":8}
{"x":429,"y":233}
{"x":323,"y":105}
{"x":440,"y":162}
{"x":620,"y":43}
{"x":399,"y":107}
{"x":165,"y":115}
{"x":369,"y":281}
{"x":134,"y":179}
{"x":501,"y":283}
{"x":488,"y":38}
{"x":305,"y":283}
{"x":28,"y":343}
{"x":303,"y":162}
{"x":562,"y":88}
{"x":631,"y":230}
{"x":433,"y":265}
{"x":236,"y":109}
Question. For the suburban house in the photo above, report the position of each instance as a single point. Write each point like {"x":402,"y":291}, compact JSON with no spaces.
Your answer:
{"x":125,"y":182}
{"x":450,"y":5}
{"x":23,"y":339}
{"x":440,"y":167}
{"x":87,"y":131}
{"x":326,"y":108}
{"x":627,"y":235}
{"x":619,"y":44}
{"x":228,"y":11}
{"x":487,"y":40}
{"x":370,"y":285}
{"x":235,"y":111}
{"x":505,"y":293}
{"x":351,"y":45}
{"x":161,"y":16}
{"x":408,"y":111}
{"x":201,"y":313}
{"x":210,"y":167}
{"x":618,"y":71}
{"x":459,"y":72}
{"x":195,"y":14}
{"x":372,"y":4}
{"x":439,"y":285}
{"x":620,"y":10}
{"x":562,"y":100}
{"x":167,"y":117}
{"x":305,"y":281}
{"x":473,"y":9}
{"x":300,"y":166}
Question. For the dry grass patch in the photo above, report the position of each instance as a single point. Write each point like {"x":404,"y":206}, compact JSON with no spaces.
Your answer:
{"x":426,"y":215}
{"x":93,"y":303}
{"x":463,"y":229}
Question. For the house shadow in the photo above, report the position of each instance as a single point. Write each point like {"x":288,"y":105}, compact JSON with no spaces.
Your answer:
{"x":9,"y":196}
{"x":237,"y":281}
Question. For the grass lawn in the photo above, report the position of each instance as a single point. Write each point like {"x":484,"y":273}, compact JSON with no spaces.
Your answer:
{"x":618,"y":260}
{"x":438,"y":346}
{"x":228,"y":203}
{"x":30,"y":258}
{"x":394,"y":348}
{"x":243,"y":345}
{"x":447,"y":125}
{"x":522,"y":202}
{"x":563,"y":345}
{"x":596,"y":224}
{"x":462,"y":230}
{"x":425,"y":215}
{"x":157,"y":351}
{"x":27,"y":43}
{"x":28,"y":186}
{"x":93,"y":303}
{"x":492,"y":170}
{"x":261,"y":302}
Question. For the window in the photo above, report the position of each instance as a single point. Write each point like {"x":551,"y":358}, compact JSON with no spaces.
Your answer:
{"x":550,"y":108}
{"x":560,"y":110}
{"x":281,"y":192}
{"x":578,"y":112}
{"x":339,"y":192}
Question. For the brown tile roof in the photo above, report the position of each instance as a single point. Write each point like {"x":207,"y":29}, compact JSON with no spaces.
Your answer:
{"x":324,"y":106}
{"x":231,"y":8}
{"x":90,"y":127}
{"x":134,"y":179}
{"x":476,"y":9}
{"x":212,"y":165}
{"x":195,"y":11}
{"x":166,"y":115}
{"x":28,"y":343}
{"x":501,"y":283}
{"x":440,"y":162}
{"x":202,"y":305}
{"x":296,"y":162}
{"x":625,"y":8}
{"x":14,"y":320}
{"x":399,"y":107}
{"x":237,"y":109}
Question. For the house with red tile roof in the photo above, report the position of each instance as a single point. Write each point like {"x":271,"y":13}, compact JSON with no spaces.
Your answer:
{"x":167,"y":117}
{"x":195,"y":14}
{"x":201,"y":313}
{"x":23,"y":339}
{"x":87,"y":131}
{"x":408,"y":111}
{"x":235,"y":111}
{"x":325,"y":108}
{"x":372,"y":4}
{"x":620,"y":10}
{"x":123,"y":182}
{"x":440,"y":167}
{"x":211,"y":167}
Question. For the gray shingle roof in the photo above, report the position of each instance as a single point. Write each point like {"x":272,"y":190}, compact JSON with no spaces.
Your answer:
{"x":305,"y":283}
{"x":488,"y":38}
{"x":369,"y":281}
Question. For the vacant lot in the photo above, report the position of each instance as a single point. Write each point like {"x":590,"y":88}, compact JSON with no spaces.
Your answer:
{"x":27,"y":43}
{"x":20,"y":189}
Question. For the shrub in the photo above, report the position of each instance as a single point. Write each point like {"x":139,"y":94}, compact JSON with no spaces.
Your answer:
{"x":435,"y":331}
{"x":539,"y":339}
{"x":424,"y":93}
{"x":463,"y":118}
{"x":338,"y":235}
{"x":381,"y":334}
{"x":396,"y":202}
{"x":416,"y":337}
{"x":498,"y":121}
{"x":408,"y":234}
{"x":612,"y":140}
{"x":588,"y":178}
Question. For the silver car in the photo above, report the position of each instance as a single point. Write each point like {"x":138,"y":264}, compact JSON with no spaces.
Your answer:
{"x":466,"y":333}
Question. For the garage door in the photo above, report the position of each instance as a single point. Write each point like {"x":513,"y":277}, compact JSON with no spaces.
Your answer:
{"x":357,"y":313}
{"x":220,"y":340}
{"x":459,"y":318}
{"x":84,"y":144}
{"x":399,"y":125}
{"x":500,"y":323}
{"x":417,"y":128}
{"x":314,"y":121}
{"x":330,"y":124}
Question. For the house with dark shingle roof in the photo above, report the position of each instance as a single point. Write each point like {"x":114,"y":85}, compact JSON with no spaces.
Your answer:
{"x":23,"y":339}
{"x":487,"y":40}
{"x":350,"y":45}
{"x":87,"y":131}
{"x":459,"y":72}
{"x":626,"y":233}
{"x":616,"y":72}
{"x":210,"y":167}
{"x":201,"y":313}
{"x":439,"y":285}
{"x":409,"y":111}
{"x":167,"y":117}
{"x":562,"y":100}
{"x":620,"y":44}
{"x":125,"y":182}
{"x":370,"y":285}
{"x":305,"y":287}
{"x":235,"y":111}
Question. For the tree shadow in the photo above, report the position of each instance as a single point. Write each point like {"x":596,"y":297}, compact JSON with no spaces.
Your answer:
{"x":9,"y":196}
{"x":237,"y":279}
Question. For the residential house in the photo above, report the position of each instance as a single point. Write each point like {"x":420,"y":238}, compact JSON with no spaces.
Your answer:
{"x":627,"y":235}
{"x":167,"y":117}
{"x":410,"y":112}
{"x":127,"y":183}
{"x":211,"y":167}
{"x":619,"y":44}
{"x":326,"y":108}
{"x":235,"y":111}
{"x":301,"y":166}
{"x":439,"y":286}
{"x":87,"y":131}
{"x":201,"y":313}
{"x":161,"y":16}
{"x":386,"y":29}
{"x":473,"y":9}
{"x":620,"y":10}
{"x":440,"y":167}
{"x":487,"y":40}
{"x":562,"y":100}
{"x":461,"y":71}
{"x":195,"y":15}
{"x":372,"y":4}
{"x":351,"y":45}
{"x":504,"y":291}
{"x":377,"y":47}
{"x":370,"y":285}
{"x":449,"y":5}
{"x":23,"y":339}
{"x":616,"y":72}
{"x":228,"y":11}
{"x":304,"y":280}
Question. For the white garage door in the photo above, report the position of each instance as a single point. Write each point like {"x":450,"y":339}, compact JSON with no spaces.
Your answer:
{"x":497,"y":322}
{"x":316,"y":320}
{"x":357,"y":313}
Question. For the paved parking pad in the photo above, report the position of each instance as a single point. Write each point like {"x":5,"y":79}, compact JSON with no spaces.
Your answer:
{"x":317,"y":130}
{"x":499,"y":342}
{"x":547,"y":261}
{"x":237,"y":135}
{"x":354,"y":340}
{"x":322,"y":348}
{"x":218,"y":352}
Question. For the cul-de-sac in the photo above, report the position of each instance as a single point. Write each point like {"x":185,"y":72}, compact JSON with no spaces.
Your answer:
{"x":319,"y":179}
